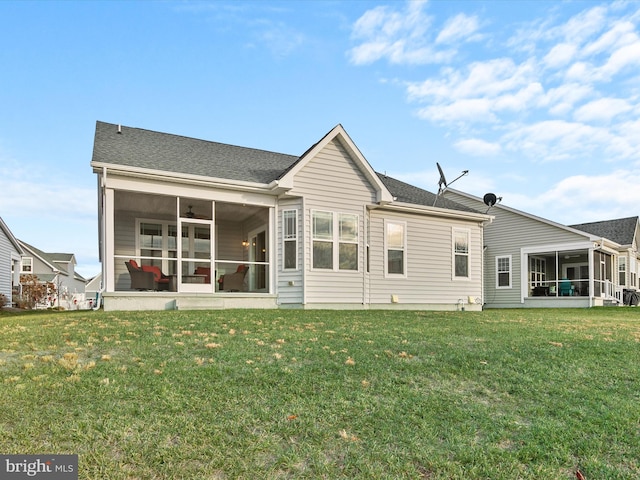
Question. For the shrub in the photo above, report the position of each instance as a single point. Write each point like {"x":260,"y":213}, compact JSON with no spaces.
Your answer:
{"x":3,"y":300}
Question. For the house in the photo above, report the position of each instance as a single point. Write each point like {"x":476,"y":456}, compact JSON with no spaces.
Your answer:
{"x":534,"y":262}
{"x":10,"y":253}
{"x":626,"y":233}
{"x":55,"y":268}
{"x":187,"y":223}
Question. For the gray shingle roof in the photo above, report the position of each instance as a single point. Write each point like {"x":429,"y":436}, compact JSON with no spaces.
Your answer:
{"x":139,"y":148}
{"x":621,"y":230}
{"x":407,"y":193}
{"x":136,"y":147}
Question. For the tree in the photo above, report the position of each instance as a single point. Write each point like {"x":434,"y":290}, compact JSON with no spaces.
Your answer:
{"x":34,"y":292}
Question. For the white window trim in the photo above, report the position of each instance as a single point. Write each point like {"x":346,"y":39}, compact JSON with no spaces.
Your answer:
{"x":454,"y":232}
{"x":386,"y":250}
{"x":622,"y":268}
{"x":22,"y":270}
{"x":335,"y":219}
{"x":294,"y":240}
{"x":498,"y":286}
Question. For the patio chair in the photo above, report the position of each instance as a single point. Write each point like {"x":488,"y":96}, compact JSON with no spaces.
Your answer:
{"x":146,"y":277}
{"x":234,"y":282}
{"x":565,"y":288}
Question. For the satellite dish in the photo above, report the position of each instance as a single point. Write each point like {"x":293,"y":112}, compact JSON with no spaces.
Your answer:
{"x":490,"y":199}
{"x":443,"y":180}
{"x":442,"y":183}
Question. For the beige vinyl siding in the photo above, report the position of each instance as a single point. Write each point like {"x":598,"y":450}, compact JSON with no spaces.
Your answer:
{"x":429,"y":261}
{"x":124,"y":244}
{"x":508,"y":233}
{"x":332,"y":182}
{"x":290,"y":283}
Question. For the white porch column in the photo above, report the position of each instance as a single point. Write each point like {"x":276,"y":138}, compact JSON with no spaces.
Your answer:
{"x":108,"y":266}
{"x":272,"y":259}
{"x":591,"y":276}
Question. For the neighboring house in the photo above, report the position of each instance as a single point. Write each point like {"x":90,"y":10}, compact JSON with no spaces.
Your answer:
{"x":10,"y":253}
{"x":57,"y":268}
{"x":92,"y":290}
{"x":534,"y":262}
{"x":226,"y":226}
{"x":626,"y":233}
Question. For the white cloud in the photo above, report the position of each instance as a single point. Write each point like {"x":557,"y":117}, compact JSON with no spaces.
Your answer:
{"x":601,"y":110}
{"x":401,"y":37}
{"x":560,"y":55}
{"x":562,"y":99}
{"x":478,"y":147}
{"x":460,"y":27}
{"x":554,"y":140}
{"x":583,"y":198}
{"x":464,"y":110}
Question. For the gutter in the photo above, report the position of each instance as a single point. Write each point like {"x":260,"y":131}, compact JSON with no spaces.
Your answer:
{"x":186,"y":178}
{"x":434,"y":211}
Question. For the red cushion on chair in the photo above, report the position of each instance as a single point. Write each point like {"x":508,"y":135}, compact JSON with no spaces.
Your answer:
{"x":157,"y":274}
{"x":134,"y":264}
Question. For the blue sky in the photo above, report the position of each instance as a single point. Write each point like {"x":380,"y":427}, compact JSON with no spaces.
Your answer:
{"x":539,"y":100}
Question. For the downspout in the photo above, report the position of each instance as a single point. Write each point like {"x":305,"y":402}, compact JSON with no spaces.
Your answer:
{"x":365,"y":241}
{"x":304,"y":255}
{"x":102,"y":181}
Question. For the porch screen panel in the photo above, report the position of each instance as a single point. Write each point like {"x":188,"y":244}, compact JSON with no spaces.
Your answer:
{"x":151,"y":243}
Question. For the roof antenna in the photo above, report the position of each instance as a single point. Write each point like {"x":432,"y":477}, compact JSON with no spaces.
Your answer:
{"x":490,"y":200}
{"x":443,"y":181}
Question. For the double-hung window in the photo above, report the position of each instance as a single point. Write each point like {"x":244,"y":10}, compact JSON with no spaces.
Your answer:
{"x":503,"y":272}
{"x":395,"y":247}
{"x":622,"y":270}
{"x":335,"y":240}
{"x":27,"y":264}
{"x":461,"y":253}
{"x":290,"y":239}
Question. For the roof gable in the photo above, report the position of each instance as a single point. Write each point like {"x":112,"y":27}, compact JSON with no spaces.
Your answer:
{"x":620,"y":230}
{"x":338,"y":133}
{"x":13,"y":240}
{"x":55,"y":261}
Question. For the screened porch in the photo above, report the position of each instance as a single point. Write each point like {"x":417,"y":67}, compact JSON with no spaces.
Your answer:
{"x":182,"y":244}
{"x":568,"y":274}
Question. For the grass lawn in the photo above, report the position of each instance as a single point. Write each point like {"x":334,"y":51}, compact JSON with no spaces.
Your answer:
{"x":513,"y":394}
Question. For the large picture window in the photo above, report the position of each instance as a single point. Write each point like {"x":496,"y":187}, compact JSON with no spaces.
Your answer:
{"x":503,"y":272}
{"x":335,"y":240}
{"x":290,"y":239}
{"x":461,"y":253}
{"x":395,"y":247}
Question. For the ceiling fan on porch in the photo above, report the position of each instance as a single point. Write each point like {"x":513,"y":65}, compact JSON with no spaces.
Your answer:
{"x":189,"y":213}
